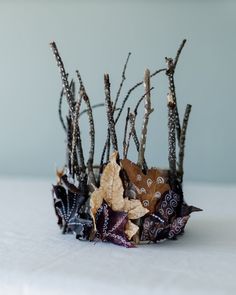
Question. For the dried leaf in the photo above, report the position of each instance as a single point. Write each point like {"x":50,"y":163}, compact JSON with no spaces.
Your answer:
{"x":95,"y":203}
{"x":149,"y":187}
{"x":112,"y":185}
{"x":134,"y":208}
{"x":131,"y":229}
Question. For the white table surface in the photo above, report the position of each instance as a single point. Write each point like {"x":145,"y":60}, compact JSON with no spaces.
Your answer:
{"x":35,"y":258}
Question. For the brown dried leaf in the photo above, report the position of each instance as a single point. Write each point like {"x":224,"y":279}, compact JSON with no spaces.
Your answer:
{"x":96,"y":202}
{"x":131,"y":229}
{"x":134,"y":208}
{"x":112,"y":185}
{"x":149,"y":187}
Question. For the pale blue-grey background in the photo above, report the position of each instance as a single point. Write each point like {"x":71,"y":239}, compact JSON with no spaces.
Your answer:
{"x":95,"y":36}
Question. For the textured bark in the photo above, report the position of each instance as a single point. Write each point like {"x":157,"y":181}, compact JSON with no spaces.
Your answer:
{"x":77,"y":144}
{"x":123,"y":78}
{"x":109,"y":109}
{"x":182,"y":142}
{"x":147,"y":112}
{"x":171,"y":136}
{"x":64,"y":77}
{"x":86,"y":99}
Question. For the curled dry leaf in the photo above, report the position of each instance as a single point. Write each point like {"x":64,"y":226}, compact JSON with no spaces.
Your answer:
{"x":150,"y":186}
{"x":111,"y":191}
{"x":131,"y":229}
{"x":134,"y":209}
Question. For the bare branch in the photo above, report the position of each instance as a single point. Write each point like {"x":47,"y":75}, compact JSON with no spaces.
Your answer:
{"x":110,"y":118}
{"x":122,"y":81}
{"x":179,"y":52}
{"x":59,"y":110}
{"x":182,"y":141}
{"x":77,"y":143}
{"x":64,"y":79}
{"x":125,"y":133}
{"x":148,"y":111}
{"x":93,"y":107}
{"x":86,"y":99}
{"x":131,"y":90}
{"x":133,"y":133}
{"x":171,"y":136}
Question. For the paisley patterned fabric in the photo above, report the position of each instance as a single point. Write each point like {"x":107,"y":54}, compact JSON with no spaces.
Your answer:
{"x":167,"y":222}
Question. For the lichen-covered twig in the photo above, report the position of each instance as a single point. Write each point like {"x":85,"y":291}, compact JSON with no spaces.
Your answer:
{"x":182,"y":141}
{"x":65,"y":83}
{"x":109,"y":109}
{"x":125,"y":134}
{"x":147,"y":112}
{"x":171,"y":135}
{"x":84,"y":96}
{"x":122,"y":80}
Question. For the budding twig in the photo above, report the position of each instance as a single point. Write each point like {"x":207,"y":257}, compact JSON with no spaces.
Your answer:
{"x":182,"y":141}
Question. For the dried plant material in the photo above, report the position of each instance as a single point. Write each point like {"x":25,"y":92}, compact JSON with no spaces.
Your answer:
{"x":149,"y":186}
{"x":147,"y":112}
{"x":134,"y":208}
{"x":131,"y":229}
{"x":111,"y":191}
{"x":132,"y":202}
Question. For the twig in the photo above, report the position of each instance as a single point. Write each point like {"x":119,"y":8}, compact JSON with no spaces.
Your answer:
{"x":85,"y":97}
{"x":110,"y":118}
{"x":108,"y":146}
{"x":170,"y":73}
{"x":76,"y":142}
{"x":125,"y":133}
{"x":148,"y":111}
{"x":182,"y":141}
{"x":131,"y":90}
{"x":171,"y":135}
{"x":179,"y":52}
{"x":140,"y":100}
{"x":93,"y":107}
{"x":171,"y":66}
{"x":133,"y":133}
{"x":59,"y":110}
{"x":64,"y":79}
{"x":122,"y":80}
{"x":69,"y":142}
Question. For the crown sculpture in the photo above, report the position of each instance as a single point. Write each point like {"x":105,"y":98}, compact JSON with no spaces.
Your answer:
{"x":120,"y":201}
